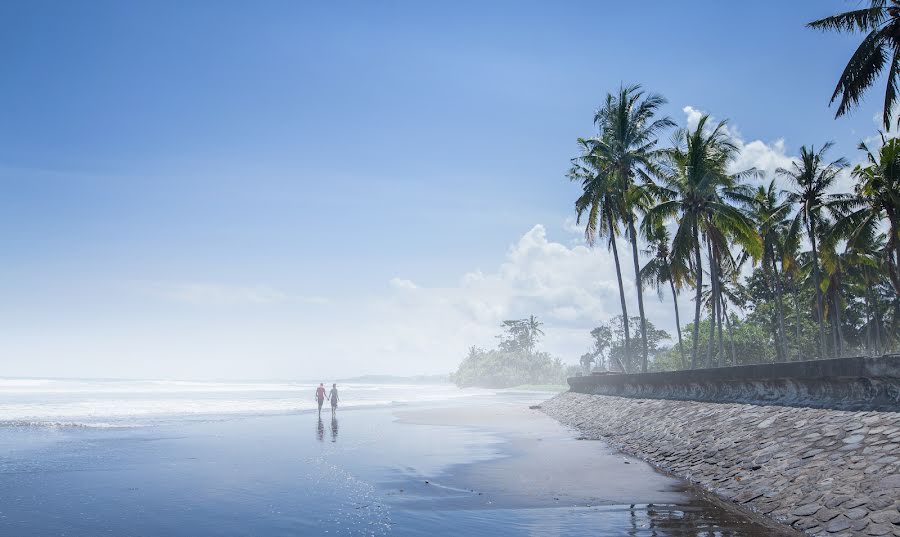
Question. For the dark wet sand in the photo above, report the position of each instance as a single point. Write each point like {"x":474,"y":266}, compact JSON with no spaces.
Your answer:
{"x":547,"y":465}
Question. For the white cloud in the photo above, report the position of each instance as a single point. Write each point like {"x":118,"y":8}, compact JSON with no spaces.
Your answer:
{"x":400,"y":283}
{"x":570,"y":288}
{"x":764,"y":156}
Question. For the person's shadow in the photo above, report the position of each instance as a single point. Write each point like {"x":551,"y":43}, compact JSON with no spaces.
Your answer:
{"x":320,"y":430}
{"x":334,"y":428}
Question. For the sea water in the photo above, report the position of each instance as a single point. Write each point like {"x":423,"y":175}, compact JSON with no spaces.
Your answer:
{"x":175,"y":458}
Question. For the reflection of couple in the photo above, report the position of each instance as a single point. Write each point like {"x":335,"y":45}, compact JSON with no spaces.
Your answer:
{"x":320,"y":429}
{"x":332,"y":396}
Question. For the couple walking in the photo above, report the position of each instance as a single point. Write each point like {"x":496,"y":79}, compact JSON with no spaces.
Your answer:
{"x":332,"y":396}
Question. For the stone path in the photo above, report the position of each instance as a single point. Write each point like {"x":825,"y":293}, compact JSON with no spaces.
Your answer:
{"x":825,"y":472}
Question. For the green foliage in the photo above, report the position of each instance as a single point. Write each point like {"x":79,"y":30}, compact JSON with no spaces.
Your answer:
{"x":514,"y":363}
{"x":609,"y":344}
{"x":501,"y":369}
{"x":880,"y":22}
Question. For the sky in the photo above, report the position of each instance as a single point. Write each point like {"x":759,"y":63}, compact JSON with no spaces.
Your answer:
{"x":289,"y":190}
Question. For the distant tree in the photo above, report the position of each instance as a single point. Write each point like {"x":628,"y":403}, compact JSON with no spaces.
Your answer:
{"x":521,"y":334}
{"x":610,"y":337}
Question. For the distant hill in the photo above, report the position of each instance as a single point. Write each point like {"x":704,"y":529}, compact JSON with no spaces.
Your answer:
{"x":392,"y":379}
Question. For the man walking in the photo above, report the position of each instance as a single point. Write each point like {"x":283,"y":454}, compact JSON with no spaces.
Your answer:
{"x":320,"y":396}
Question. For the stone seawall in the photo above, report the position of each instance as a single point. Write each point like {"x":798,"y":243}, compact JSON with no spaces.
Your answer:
{"x":822,"y":471}
{"x":858,"y":383}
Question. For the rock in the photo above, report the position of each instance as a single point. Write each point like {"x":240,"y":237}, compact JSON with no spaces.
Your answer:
{"x":807,"y":510}
{"x":888,"y":516}
{"x":853,"y":439}
{"x":879,"y":529}
{"x":840,"y":523}
{"x":856,"y":513}
{"x":890,"y":482}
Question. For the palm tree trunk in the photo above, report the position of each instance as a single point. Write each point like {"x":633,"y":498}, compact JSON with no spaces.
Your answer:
{"x":640,"y":291}
{"x":698,"y":297}
{"x":677,"y":322}
{"x":868,"y":323}
{"x":838,"y":324}
{"x":730,"y":336}
{"x":780,"y":307}
{"x":720,"y":359}
{"x":779,"y":352}
{"x":714,"y":297}
{"x":612,"y":242}
{"x":878,"y":347}
{"x":811,"y":231}
{"x":797,"y":320}
{"x":834,"y":332}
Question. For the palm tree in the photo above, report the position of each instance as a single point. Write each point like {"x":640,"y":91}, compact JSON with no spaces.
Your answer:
{"x":812,"y":178}
{"x":697,"y":190}
{"x":601,"y":204}
{"x":659,"y":270}
{"x":881,"y":46}
{"x":793,"y":267}
{"x":534,"y":331}
{"x":627,"y":145}
{"x":769,"y":214}
{"x":877,"y":199}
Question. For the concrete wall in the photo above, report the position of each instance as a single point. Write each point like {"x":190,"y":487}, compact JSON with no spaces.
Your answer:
{"x":860,"y":383}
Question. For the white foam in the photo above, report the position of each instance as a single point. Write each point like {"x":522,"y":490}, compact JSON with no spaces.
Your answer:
{"x":114,"y":403}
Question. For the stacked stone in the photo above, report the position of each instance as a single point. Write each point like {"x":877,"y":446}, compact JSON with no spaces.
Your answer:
{"x":821,"y":471}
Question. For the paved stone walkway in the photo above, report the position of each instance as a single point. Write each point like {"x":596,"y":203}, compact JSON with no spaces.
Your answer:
{"x":825,"y":472}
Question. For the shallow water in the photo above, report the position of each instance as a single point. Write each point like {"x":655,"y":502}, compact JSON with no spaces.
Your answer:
{"x":367,"y":472}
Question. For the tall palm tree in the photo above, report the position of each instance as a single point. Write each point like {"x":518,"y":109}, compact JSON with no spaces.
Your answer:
{"x":659,"y":271}
{"x":813,"y":177}
{"x":698,"y":192}
{"x":793,"y":267}
{"x":880,"y":21}
{"x":627,"y":144}
{"x":534,"y":331}
{"x":601,"y":205}
{"x":877,"y":199}
{"x":769,"y":214}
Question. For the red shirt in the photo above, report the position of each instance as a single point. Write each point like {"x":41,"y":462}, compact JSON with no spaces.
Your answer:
{"x":320,"y":393}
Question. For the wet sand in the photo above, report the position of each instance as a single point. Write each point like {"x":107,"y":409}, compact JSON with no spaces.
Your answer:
{"x":475,"y":466}
{"x":547,"y":465}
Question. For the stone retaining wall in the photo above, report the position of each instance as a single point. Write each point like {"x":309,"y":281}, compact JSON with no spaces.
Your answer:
{"x":858,"y":383}
{"x":822,"y":471}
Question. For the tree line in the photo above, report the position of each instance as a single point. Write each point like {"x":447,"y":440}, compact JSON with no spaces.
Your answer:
{"x":804,"y":261}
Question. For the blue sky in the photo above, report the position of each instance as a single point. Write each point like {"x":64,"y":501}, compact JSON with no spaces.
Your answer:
{"x":294,"y":190}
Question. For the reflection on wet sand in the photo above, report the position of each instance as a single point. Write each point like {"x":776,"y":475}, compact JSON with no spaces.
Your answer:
{"x":334,"y":428}
{"x":697,"y":520}
{"x":320,"y":430}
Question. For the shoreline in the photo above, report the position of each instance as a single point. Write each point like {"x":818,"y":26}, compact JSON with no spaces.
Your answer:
{"x":824,"y":472}
{"x":583,"y":474}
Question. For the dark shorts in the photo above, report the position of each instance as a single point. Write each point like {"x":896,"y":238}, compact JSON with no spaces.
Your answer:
{"x":334,"y":403}
{"x":321,"y":401}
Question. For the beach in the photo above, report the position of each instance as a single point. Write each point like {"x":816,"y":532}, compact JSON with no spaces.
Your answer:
{"x":466,"y":463}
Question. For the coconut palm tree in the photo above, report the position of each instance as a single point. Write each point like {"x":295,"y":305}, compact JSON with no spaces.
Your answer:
{"x":769,"y":213}
{"x":698,"y":192}
{"x":793,"y":266}
{"x":813,"y":177}
{"x":876,"y":200}
{"x":627,"y":145}
{"x":601,"y":204}
{"x":880,"y":48}
{"x":659,"y":271}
